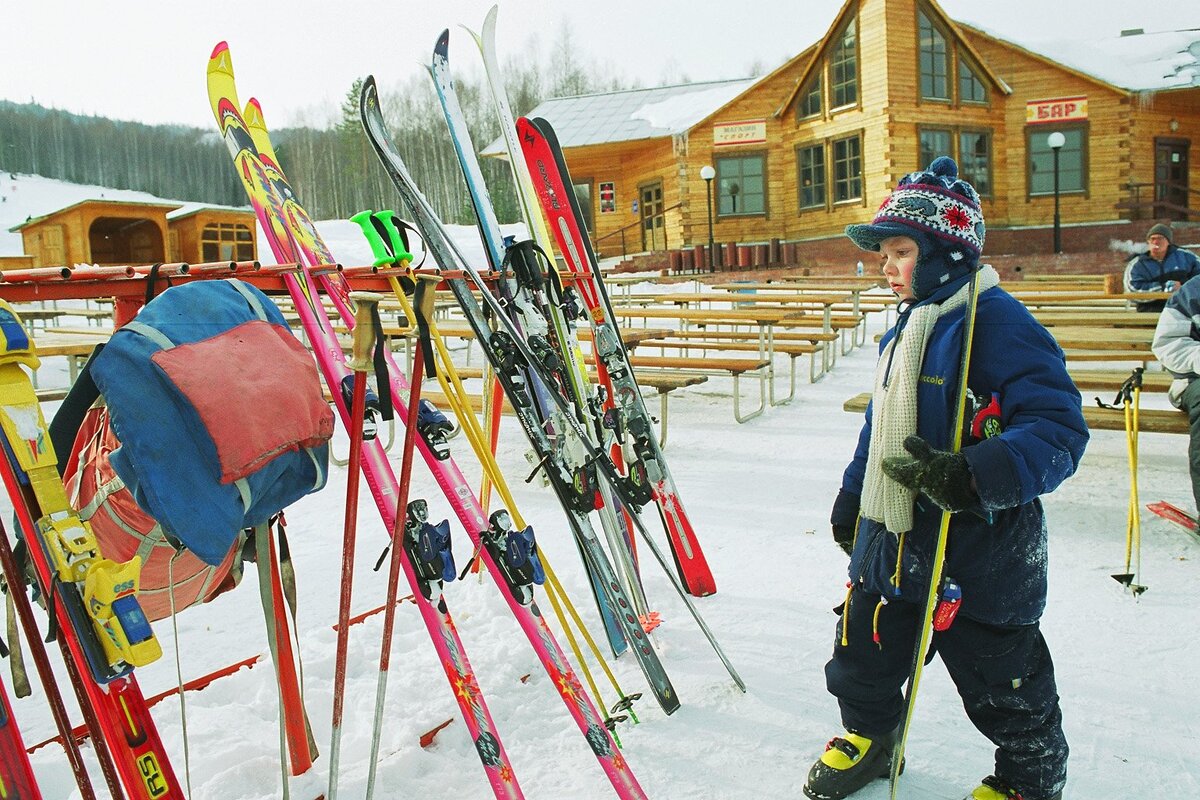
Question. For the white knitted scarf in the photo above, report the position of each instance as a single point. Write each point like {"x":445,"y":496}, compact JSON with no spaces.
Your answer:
{"x":894,"y":407}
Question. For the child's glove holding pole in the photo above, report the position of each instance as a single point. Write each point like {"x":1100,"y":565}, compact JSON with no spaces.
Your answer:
{"x":944,"y":477}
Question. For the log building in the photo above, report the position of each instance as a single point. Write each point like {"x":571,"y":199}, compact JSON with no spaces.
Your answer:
{"x":819,"y":143}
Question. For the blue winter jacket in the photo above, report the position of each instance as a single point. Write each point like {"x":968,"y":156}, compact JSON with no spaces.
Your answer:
{"x":995,"y":552}
{"x":1144,"y":274}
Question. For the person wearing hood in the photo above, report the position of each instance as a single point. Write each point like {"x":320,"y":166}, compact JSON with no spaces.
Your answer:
{"x":1024,"y":434}
{"x":1162,"y":268}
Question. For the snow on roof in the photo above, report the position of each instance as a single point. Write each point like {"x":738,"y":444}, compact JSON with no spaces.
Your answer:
{"x":633,"y":114}
{"x":1137,"y":62}
{"x":24,"y":198}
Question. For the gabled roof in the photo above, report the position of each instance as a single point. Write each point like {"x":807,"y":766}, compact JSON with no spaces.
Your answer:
{"x":849,"y":8}
{"x":632,"y":114}
{"x":1137,"y":62}
{"x":93,"y":201}
{"x":190,"y":209}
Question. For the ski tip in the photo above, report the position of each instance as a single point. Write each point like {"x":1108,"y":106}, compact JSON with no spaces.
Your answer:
{"x":253,"y":103}
{"x":222,"y":47}
{"x":442,"y":48}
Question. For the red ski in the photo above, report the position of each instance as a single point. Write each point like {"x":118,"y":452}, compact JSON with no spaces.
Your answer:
{"x":1173,"y":513}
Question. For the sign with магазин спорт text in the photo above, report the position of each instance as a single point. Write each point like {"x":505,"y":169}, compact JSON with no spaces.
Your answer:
{"x":747,"y":131}
{"x":1059,"y":109}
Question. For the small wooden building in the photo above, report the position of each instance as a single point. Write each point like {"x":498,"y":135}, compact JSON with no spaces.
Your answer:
{"x":204,"y":235}
{"x":820,"y":142}
{"x":98,"y":232}
{"x":112,"y":232}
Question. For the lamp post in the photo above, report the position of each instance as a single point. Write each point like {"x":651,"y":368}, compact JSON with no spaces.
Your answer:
{"x":708,"y":173}
{"x":1056,"y":140}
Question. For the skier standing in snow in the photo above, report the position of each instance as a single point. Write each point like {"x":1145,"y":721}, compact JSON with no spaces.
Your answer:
{"x":1024,"y":434}
{"x":1177,"y":347}
{"x":1162,"y":268}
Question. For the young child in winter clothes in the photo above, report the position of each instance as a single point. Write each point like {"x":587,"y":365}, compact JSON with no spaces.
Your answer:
{"x":1024,"y":434}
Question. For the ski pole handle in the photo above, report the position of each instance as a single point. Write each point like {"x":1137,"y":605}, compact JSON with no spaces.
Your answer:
{"x":365,"y":312}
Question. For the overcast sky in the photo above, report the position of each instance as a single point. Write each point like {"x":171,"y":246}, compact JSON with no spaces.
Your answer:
{"x":144,"y":59}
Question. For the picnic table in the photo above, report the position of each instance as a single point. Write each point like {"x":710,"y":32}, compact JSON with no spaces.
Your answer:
{"x":76,"y":344}
{"x":763,"y":319}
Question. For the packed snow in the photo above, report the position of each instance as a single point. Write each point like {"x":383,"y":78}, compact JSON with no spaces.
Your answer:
{"x":759,"y":496}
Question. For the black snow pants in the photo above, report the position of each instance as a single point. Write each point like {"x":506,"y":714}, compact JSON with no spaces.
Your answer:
{"x":1004,"y":676}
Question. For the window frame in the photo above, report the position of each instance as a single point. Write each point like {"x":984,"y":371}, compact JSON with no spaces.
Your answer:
{"x":949,"y":57}
{"x":991,"y":165}
{"x":956,"y":55}
{"x":956,"y":133}
{"x":1045,"y":130}
{"x":820,"y":146}
{"x":761,"y":154}
{"x":818,"y":78}
{"x":828,"y":63}
{"x":959,"y":62}
{"x":946,"y":129}
{"x":832,"y":179}
{"x":225,"y":237}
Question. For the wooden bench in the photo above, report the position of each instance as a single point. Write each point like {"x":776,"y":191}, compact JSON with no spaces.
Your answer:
{"x":818,"y":338}
{"x":662,"y":381}
{"x":1150,"y":420}
{"x":1111,"y":380}
{"x":735,"y":367}
{"x":793,"y":350}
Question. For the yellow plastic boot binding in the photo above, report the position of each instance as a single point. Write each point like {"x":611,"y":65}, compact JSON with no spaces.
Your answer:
{"x":118,"y":619}
{"x":110,"y":592}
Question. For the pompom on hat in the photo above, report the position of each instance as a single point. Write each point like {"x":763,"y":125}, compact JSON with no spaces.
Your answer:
{"x":941,"y":213}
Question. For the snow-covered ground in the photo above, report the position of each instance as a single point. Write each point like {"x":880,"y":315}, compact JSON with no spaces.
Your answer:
{"x":759,"y":495}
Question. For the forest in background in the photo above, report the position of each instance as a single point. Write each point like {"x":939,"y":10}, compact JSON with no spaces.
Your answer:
{"x":331,"y":166}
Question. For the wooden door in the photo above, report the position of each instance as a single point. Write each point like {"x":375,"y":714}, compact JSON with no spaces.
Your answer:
{"x":650,"y":207}
{"x":1171,"y":178}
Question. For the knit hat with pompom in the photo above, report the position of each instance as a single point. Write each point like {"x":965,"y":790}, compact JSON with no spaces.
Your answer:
{"x":940,"y":212}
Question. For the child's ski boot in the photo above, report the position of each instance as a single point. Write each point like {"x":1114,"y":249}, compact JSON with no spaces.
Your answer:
{"x":994,"y":788}
{"x":848,"y":764}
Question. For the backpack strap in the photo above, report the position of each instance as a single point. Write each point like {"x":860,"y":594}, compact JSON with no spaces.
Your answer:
{"x":67,"y":420}
{"x":251,"y":299}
